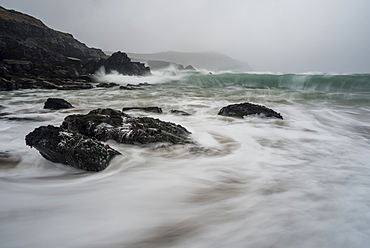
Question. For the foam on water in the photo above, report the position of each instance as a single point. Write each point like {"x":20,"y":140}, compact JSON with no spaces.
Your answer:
{"x":300,"y":182}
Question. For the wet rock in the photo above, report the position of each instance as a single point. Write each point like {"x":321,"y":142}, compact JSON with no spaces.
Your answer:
{"x":107,"y":112}
{"x":157,"y":110}
{"x":107,"y":85}
{"x":122,"y":87}
{"x":179,"y":112}
{"x":245,"y":109}
{"x":119,"y":62}
{"x":70,"y":148}
{"x":8,"y":159}
{"x":125,"y":129}
{"x":57,"y":103}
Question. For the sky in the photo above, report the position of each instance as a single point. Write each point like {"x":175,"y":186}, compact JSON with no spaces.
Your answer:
{"x":330,"y":36}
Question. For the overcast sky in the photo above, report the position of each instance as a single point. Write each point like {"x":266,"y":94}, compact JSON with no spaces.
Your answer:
{"x":271,"y":35}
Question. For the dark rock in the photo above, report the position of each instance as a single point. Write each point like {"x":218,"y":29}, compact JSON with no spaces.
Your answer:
{"x":57,"y":103}
{"x":107,"y":112}
{"x":189,"y":68}
{"x":18,"y":118}
{"x":107,"y":85}
{"x":245,"y":109}
{"x":119,"y":62}
{"x":122,"y":87}
{"x":146,"y":109}
{"x":179,"y":112}
{"x":112,"y":125}
{"x":139,"y":86}
{"x":86,"y":78}
{"x":66,"y":147}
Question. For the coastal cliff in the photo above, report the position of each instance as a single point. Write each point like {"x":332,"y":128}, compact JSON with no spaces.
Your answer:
{"x":33,"y":55}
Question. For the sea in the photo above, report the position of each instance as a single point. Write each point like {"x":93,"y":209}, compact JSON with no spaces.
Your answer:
{"x":254,"y":182}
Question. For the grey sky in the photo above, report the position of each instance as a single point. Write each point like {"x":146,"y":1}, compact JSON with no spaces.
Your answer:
{"x":271,"y":35}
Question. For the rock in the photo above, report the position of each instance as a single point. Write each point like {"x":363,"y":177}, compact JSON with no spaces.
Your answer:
{"x":245,"y":109}
{"x":157,"y":110}
{"x":130,"y":87}
{"x":57,"y":103}
{"x":112,"y":125}
{"x":73,"y":149}
{"x":189,"y":68}
{"x":179,"y":112}
{"x":139,"y":86}
{"x":107,"y":112}
{"x":107,"y":85}
{"x":119,"y":62}
{"x":8,"y":159}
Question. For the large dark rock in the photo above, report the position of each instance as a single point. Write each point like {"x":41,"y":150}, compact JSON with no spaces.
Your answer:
{"x":115,"y":125}
{"x":57,"y":103}
{"x":119,"y":62}
{"x":66,"y":147}
{"x":244,"y":109}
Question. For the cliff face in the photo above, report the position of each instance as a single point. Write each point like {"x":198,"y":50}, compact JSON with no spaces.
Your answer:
{"x":30,"y":49}
{"x":23,"y":36}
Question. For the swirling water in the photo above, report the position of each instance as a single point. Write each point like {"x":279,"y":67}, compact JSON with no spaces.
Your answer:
{"x":298,"y":182}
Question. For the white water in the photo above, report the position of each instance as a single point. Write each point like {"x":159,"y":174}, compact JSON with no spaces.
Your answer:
{"x":300,"y":182}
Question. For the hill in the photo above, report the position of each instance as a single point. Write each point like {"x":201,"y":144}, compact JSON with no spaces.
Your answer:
{"x":212,"y":61}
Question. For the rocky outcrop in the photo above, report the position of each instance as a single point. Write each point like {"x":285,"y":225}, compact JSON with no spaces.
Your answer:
{"x":121,"y":63}
{"x":107,"y":124}
{"x":57,"y":103}
{"x":247,"y":109}
{"x":66,"y":147}
{"x":35,"y":56}
{"x":76,"y":141}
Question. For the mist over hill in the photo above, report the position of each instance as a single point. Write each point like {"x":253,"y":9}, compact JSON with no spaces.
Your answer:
{"x":212,"y":61}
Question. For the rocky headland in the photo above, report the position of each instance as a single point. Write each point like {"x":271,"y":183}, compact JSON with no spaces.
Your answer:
{"x":33,"y":55}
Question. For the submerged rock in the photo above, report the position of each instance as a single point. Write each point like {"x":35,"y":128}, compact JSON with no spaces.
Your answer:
{"x":8,"y":159}
{"x":179,"y":112}
{"x":74,"y":149}
{"x":244,"y":109}
{"x":146,"y":109}
{"x":57,"y":103}
{"x":113,"y":125}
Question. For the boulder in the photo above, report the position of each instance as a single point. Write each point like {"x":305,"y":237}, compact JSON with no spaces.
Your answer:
{"x":57,"y":103}
{"x":73,"y":149}
{"x":245,"y":109}
{"x":113,"y":125}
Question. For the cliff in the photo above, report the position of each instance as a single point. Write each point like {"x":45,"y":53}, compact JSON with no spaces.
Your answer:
{"x":31,"y":50}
